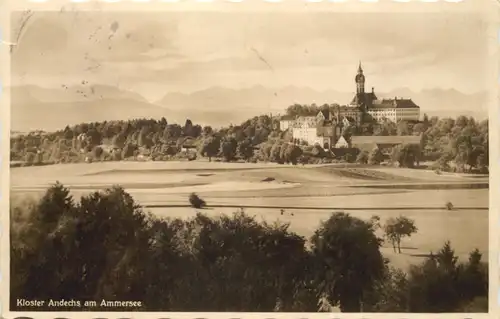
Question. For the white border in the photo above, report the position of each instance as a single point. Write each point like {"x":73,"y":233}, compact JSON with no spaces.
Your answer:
{"x":489,"y":8}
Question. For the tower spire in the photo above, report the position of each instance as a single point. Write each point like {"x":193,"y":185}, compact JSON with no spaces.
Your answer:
{"x":360,"y":80}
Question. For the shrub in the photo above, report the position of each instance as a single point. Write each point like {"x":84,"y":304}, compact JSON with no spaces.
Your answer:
{"x":196,"y":201}
{"x":449,"y":205}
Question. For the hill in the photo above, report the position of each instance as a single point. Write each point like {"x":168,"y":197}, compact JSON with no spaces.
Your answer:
{"x":438,"y":102}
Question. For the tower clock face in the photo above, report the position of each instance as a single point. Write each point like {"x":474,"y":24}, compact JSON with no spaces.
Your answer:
{"x":360,"y":78}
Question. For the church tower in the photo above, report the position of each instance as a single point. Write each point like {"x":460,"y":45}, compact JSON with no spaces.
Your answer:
{"x":360,"y":81}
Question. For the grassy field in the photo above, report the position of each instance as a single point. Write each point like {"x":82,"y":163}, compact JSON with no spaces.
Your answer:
{"x":310,"y":194}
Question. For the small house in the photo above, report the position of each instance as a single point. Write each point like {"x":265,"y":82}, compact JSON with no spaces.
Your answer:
{"x":286,"y":122}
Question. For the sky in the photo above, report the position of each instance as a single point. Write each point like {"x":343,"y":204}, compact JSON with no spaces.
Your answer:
{"x":153,"y":53}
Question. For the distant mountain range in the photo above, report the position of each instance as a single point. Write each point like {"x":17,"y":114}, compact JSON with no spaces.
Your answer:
{"x":50,"y":109}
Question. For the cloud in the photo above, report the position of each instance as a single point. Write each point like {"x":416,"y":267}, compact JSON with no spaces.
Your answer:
{"x":193,"y":50}
{"x":55,"y":44}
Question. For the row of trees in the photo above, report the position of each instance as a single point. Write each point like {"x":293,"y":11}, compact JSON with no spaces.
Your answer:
{"x":131,"y":138}
{"x":104,"y":246}
{"x":459,"y":144}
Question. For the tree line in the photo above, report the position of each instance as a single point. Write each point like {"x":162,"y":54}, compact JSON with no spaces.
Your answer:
{"x":105,"y":246}
{"x":459,"y":144}
{"x":462,"y":141}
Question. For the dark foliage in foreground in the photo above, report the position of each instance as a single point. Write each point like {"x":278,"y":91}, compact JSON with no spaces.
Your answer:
{"x":104,"y":246}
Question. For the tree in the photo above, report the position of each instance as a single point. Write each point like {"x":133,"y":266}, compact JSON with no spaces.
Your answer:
{"x":228,"y":148}
{"x":246,"y":264}
{"x":397,"y":228}
{"x":292,"y":153}
{"x":406,"y":155}
{"x":275,"y":152}
{"x":100,"y":240}
{"x":464,"y":150}
{"x":245,"y":149}
{"x":482,"y":163}
{"x":390,"y":293}
{"x":432,"y":285}
{"x":375,"y":157}
{"x":97,"y":152}
{"x":94,"y":137}
{"x":196,"y":201}
{"x":143,"y":140}
{"x":426,"y":121}
{"x":163,"y":122}
{"x":265,"y":151}
{"x":210,"y":147}
{"x":172,"y":131}
{"x":403,"y":128}
{"x":362,"y":157}
{"x":68,"y":133}
{"x":191,"y":130}
{"x":474,"y":277}
{"x":419,"y":128}
{"x":438,"y":284}
{"x":30,"y":158}
{"x":129,"y":150}
{"x":348,"y":260}
{"x":207,"y":130}
{"x":442,"y":163}
{"x":119,"y":140}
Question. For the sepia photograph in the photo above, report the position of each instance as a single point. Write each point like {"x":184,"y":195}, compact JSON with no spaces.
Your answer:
{"x":260,"y":161}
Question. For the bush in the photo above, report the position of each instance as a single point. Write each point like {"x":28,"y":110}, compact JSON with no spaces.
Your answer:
{"x":196,"y":201}
{"x":449,"y":205}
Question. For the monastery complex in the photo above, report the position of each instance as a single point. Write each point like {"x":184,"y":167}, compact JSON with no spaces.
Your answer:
{"x":327,"y":126}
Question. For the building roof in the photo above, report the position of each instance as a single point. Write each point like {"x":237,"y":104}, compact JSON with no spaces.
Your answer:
{"x":287,"y":118}
{"x":394,"y":103}
{"x":369,"y":97}
{"x":350,"y":119}
{"x":326,"y":113}
{"x":306,"y":118}
{"x":407,"y":139}
{"x":341,"y":140}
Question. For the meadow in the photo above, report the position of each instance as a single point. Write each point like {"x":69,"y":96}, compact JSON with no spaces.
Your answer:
{"x":300,"y":195}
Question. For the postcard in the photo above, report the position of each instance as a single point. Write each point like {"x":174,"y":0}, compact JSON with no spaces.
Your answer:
{"x":286,"y":159}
